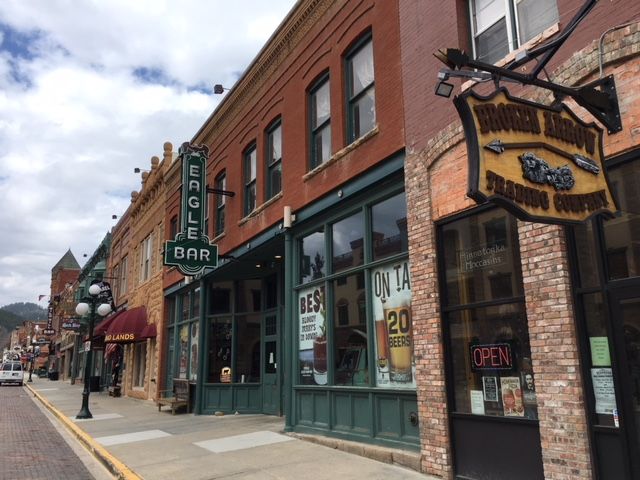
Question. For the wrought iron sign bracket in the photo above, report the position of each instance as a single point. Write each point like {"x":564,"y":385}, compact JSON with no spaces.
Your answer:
{"x":217,"y":191}
{"x":598,"y":97}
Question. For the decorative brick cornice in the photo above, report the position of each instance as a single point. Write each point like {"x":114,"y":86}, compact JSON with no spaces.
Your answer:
{"x":277,"y":50}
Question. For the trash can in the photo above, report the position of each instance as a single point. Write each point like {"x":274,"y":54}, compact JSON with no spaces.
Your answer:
{"x":94,"y":384}
{"x":53,"y":375}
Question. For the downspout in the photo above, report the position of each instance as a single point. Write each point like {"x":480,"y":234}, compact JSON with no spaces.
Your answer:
{"x":601,"y":44}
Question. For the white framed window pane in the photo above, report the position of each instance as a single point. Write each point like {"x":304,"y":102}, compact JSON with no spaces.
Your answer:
{"x":534,"y":16}
{"x":321,"y":107}
{"x":275,"y":145}
{"x":364,"y":113}
{"x":251,"y":165}
{"x":275,"y":179}
{"x":362,"y":69}
{"x":493,"y":43}
{"x":322,"y":145}
{"x":486,"y":13}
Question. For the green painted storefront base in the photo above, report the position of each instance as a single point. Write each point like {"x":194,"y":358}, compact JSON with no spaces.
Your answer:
{"x":232,"y":397}
{"x":382,"y":417}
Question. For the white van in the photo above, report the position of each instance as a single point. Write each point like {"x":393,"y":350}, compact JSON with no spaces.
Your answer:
{"x":11,"y":372}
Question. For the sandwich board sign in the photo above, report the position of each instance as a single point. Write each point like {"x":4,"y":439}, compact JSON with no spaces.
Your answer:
{"x":191,"y":251}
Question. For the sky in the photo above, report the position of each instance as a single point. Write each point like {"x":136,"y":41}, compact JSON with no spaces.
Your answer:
{"x":91,"y":89}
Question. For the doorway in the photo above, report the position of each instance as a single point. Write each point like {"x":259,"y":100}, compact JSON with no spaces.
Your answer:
{"x":270,"y":379}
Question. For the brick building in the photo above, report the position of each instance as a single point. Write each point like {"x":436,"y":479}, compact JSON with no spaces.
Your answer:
{"x":564,"y":298}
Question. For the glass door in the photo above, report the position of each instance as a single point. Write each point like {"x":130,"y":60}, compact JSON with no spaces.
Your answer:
{"x":270,"y":383}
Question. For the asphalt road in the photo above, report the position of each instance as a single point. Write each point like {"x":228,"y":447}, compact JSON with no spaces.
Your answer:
{"x":35,"y":448}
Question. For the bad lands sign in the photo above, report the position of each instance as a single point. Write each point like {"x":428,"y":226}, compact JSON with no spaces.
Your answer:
{"x":542,"y":164}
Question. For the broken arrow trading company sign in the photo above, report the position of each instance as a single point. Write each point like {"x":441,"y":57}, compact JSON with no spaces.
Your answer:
{"x":543,"y":164}
{"x":191,"y":250}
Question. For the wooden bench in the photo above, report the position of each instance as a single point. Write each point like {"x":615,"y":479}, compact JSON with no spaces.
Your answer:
{"x":179,"y":396}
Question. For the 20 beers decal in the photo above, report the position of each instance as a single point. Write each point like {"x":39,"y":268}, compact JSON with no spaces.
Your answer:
{"x":191,"y":250}
{"x":541,"y":163}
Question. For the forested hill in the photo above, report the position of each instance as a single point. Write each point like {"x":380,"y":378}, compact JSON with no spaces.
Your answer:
{"x":13,"y":315}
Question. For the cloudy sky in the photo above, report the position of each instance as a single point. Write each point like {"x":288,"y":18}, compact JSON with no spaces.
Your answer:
{"x":91,"y":89}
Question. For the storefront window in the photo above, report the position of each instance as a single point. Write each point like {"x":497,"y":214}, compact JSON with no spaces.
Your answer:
{"x":220,"y":336}
{"x":348,"y":242}
{"x":195,"y":302}
{"x":193,"y":351}
{"x":336,"y":339}
{"x":312,"y":257}
{"x":220,"y":298}
{"x":248,"y":298}
{"x":489,"y":346}
{"x":183,"y":361}
{"x":389,"y":220}
{"x":395,"y":365}
{"x":587,"y":256}
{"x":492,"y":367}
{"x":185,"y":306}
{"x":312,"y":328}
{"x":248,"y":349}
{"x":349,"y":333}
{"x":621,"y":233}
{"x":482,"y":258}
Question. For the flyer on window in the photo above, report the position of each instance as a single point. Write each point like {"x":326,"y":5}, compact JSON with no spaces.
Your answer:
{"x":312,"y":329}
{"x":511,"y":397}
{"x":395,"y":366}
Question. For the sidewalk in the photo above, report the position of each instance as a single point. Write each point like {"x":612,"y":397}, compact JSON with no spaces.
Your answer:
{"x":135,"y":441}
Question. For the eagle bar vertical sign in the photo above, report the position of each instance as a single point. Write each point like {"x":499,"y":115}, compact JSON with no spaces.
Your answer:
{"x":191,"y":250}
{"x":541,"y":163}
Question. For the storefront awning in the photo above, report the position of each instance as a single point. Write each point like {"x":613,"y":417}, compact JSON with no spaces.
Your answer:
{"x":129,"y":326}
{"x":101,"y":329}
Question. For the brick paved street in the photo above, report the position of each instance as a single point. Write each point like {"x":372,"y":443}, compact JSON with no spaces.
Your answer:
{"x":31,"y":447}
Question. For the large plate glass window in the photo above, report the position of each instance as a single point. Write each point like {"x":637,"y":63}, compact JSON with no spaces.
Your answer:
{"x":357,"y":308}
{"x":492,"y":372}
{"x":501,"y":26}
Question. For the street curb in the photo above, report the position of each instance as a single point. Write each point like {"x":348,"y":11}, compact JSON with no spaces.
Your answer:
{"x":115,"y":466}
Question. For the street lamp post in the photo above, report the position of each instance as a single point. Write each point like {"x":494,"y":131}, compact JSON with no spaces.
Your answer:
{"x":90,"y":306}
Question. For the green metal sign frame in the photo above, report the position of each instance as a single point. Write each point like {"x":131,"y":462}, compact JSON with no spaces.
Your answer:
{"x":191,"y":251}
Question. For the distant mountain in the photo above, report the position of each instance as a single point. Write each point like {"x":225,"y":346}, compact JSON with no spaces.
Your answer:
{"x":28,"y":311}
{"x":8,"y":321}
{"x":13,"y":315}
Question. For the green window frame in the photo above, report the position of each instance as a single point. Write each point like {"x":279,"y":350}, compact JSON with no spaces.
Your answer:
{"x":273,"y":156}
{"x":360,"y":88}
{"x":320,"y":122}
{"x":338,"y":297}
{"x":250,"y":165}
{"x":220,"y":184}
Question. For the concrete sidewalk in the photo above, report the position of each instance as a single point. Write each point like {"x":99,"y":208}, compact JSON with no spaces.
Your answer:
{"x":134,"y":441}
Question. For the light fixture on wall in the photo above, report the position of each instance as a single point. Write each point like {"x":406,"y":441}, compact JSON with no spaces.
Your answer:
{"x":114,"y":217}
{"x":138,"y":170}
{"x":288,"y":217}
{"x":218,"y":89}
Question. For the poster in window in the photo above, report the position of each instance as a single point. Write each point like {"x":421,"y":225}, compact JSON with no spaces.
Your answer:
{"x":395,"y":365}
{"x":603,"y":390}
{"x":511,"y":397}
{"x":477,"y":402}
{"x":490,"y":389}
{"x":193,"y":367}
{"x":184,"y":351}
{"x":313,"y":336}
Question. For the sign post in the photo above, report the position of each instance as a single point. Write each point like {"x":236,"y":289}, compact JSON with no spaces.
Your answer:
{"x":191,"y":250}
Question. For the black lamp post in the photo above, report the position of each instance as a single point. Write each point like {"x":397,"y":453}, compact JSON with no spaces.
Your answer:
{"x":90,"y":306}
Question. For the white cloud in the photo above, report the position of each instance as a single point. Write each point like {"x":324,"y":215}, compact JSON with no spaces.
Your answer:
{"x":89,"y":90}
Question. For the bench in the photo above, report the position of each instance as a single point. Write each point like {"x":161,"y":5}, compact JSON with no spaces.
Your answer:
{"x":179,"y":396}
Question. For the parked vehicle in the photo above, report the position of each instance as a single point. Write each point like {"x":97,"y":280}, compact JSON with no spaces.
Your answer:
{"x":11,"y":372}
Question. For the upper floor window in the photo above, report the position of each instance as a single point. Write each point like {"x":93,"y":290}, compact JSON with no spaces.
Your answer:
{"x":360,"y":90}
{"x":274,"y":159}
{"x":220,"y":184}
{"x":500,"y":26}
{"x":320,"y":108}
{"x":173,"y":227}
{"x":123,"y":275}
{"x":146,"y":249}
{"x":250,"y":180}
